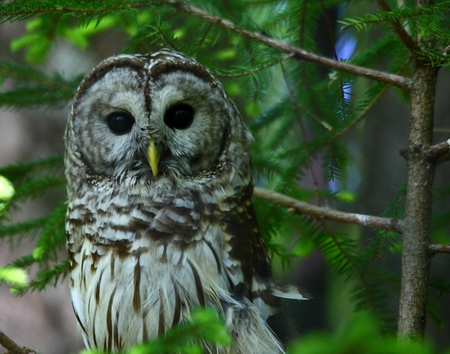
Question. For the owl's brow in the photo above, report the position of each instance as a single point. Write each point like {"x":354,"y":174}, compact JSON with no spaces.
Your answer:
{"x":103,"y":68}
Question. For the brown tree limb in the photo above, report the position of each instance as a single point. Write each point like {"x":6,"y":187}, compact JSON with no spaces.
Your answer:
{"x":436,"y":151}
{"x":398,"y":28}
{"x":299,"y":207}
{"x":434,"y":249}
{"x":298,"y":53}
{"x":13,"y":348}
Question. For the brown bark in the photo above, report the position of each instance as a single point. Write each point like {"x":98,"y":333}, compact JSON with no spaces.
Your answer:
{"x":416,"y":225}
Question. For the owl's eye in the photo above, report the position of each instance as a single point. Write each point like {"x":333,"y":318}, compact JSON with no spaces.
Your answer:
{"x":179,"y":116}
{"x":120,"y":122}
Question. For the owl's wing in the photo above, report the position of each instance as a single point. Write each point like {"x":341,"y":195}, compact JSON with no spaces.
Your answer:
{"x":247,"y":265}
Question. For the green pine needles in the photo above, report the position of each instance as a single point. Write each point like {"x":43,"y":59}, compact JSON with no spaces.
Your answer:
{"x":306,"y":111}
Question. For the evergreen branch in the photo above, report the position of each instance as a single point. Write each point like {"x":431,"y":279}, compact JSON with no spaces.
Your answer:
{"x":23,"y":262}
{"x":363,"y":114}
{"x":26,"y":73}
{"x":23,"y":10}
{"x":254,"y":70}
{"x":314,"y":116}
{"x":38,"y":187}
{"x":20,"y":169}
{"x":45,"y":277}
{"x":13,"y":348}
{"x":299,"y":207}
{"x":297,"y":53}
{"x":52,"y":234}
{"x":163,"y":33}
{"x":441,"y":285}
{"x":302,"y":131}
{"x":24,"y":227}
{"x":366,"y":110}
{"x":35,"y":97}
{"x":398,"y":28}
{"x":435,"y":249}
{"x":203,"y":38}
{"x":396,"y":15}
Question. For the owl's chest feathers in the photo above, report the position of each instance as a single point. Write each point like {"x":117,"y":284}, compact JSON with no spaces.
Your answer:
{"x":142,"y":267}
{"x":141,"y":293}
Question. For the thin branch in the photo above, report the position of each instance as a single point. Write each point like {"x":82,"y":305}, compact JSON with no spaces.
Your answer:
{"x":363,"y":114}
{"x":202,"y":40}
{"x":438,"y":150}
{"x":254,"y":70}
{"x":298,"y":53}
{"x":434,"y":249}
{"x":442,"y":130}
{"x":299,"y":207}
{"x":302,"y":131}
{"x":398,"y":28}
{"x":60,"y":9}
{"x":13,"y":348}
{"x":314,"y":116}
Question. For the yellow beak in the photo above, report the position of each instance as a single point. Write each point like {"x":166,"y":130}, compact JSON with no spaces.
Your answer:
{"x":153,"y":157}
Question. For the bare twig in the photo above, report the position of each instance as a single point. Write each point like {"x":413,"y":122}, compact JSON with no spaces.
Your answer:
{"x":436,"y":151}
{"x":13,"y":348}
{"x":398,"y":28}
{"x":434,"y":249}
{"x":299,"y":53}
{"x":299,"y":207}
{"x":442,"y":130}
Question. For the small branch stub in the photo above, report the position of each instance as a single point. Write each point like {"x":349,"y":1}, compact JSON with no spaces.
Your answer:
{"x":436,"y":151}
{"x":435,"y":249}
{"x":13,"y":348}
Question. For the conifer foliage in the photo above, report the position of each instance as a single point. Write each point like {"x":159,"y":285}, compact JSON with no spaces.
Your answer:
{"x":266,"y":54}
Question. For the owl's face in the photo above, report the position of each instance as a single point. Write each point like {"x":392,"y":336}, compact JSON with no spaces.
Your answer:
{"x":156,"y":116}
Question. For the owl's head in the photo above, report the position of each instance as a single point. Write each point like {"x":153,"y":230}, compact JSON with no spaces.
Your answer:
{"x":157,"y":116}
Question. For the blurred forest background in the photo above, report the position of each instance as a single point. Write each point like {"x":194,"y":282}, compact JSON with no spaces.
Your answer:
{"x":370,"y":178}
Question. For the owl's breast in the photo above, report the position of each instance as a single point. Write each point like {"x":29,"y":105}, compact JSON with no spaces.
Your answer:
{"x":136,"y":274}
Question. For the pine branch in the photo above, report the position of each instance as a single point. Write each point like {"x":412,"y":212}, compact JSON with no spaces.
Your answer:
{"x":398,"y":28}
{"x":254,"y":70}
{"x":299,"y":207}
{"x":20,"y":11}
{"x":298,"y":53}
{"x":13,"y":348}
{"x":435,"y":249}
{"x":398,"y":14}
{"x":363,"y":114}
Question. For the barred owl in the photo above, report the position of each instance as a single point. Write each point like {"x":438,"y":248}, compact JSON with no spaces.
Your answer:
{"x":160,"y":217}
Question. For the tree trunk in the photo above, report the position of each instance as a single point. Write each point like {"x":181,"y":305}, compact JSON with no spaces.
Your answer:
{"x":416,"y":225}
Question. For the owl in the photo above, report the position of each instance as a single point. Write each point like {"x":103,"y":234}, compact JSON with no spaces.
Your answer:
{"x":160,"y":218}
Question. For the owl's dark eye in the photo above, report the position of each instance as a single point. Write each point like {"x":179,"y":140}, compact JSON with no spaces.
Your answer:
{"x":120,"y":122}
{"x":179,"y":116}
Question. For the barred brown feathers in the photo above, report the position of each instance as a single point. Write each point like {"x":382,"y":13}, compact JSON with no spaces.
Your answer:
{"x":160,"y":217}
